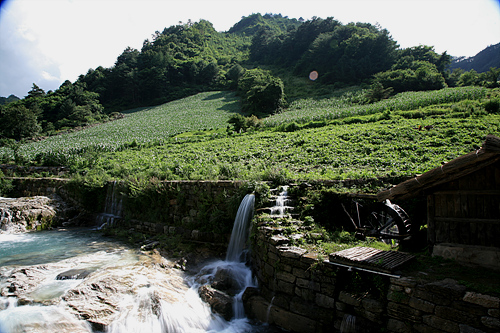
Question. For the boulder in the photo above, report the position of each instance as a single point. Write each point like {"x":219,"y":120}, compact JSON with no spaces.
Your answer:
{"x":220,"y":302}
{"x":30,"y":213}
{"x":74,"y":274}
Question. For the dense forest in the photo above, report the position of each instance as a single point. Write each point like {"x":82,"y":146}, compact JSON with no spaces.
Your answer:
{"x":257,"y":58}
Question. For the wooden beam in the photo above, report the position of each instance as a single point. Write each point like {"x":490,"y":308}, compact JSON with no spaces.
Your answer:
{"x":457,"y":168}
{"x":465,"y":220}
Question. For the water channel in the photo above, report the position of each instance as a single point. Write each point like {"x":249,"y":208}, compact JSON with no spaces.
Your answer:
{"x":76,"y":280}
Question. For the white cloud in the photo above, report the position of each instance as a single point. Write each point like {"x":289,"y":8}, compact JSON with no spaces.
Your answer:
{"x":49,"y":77}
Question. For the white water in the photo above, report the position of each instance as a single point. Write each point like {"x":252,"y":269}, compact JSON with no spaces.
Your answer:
{"x":280,"y":207}
{"x":241,"y":229}
{"x":348,"y":324}
{"x":113,"y":208}
{"x":149,"y":298}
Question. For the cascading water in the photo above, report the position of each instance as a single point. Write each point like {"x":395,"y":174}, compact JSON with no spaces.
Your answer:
{"x":241,"y":229}
{"x":113,"y":208}
{"x":348,"y":324}
{"x":280,"y":206}
{"x":122,"y":290}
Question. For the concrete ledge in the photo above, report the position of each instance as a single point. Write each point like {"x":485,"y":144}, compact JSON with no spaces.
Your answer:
{"x":488,"y":257}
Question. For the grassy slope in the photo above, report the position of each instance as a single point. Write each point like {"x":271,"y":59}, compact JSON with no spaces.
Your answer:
{"x":377,"y":140}
{"x":380,"y":148}
{"x":151,"y":125}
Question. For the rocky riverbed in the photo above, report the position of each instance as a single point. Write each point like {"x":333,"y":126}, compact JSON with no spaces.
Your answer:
{"x":32,"y":213}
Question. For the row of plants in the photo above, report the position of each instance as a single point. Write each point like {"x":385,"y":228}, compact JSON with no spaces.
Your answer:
{"x":396,"y":146}
{"x":139,"y":127}
{"x":307,"y":110}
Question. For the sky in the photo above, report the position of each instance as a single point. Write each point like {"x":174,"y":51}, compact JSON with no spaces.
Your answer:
{"x":50,"y":41}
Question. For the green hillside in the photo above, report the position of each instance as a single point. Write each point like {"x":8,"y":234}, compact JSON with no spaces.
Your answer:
{"x":138,"y":127}
{"x":190,"y":139}
{"x":272,"y":98}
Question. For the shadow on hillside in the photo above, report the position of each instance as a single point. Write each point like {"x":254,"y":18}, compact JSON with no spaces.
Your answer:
{"x":221,"y":94}
{"x":231,"y":101}
{"x":142,"y":108}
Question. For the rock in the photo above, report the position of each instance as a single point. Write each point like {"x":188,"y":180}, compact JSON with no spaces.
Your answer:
{"x":30,"y":213}
{"x":73,"y":274}
{"x":150,"y":246}
{"x":219,"y":301}
{"x":98,"y":298}
{"x":223,"y":280}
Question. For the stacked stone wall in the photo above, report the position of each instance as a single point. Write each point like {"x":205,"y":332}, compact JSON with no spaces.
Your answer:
{"x":302,"y":292}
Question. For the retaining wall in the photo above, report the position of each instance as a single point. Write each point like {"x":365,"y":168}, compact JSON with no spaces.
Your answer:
{"x":303,"y":293}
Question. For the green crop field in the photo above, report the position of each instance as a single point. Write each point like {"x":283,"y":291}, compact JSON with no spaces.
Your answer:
{"x":186,"y":139}
{"x":145,"y":126}
{"x":381,"y":148}
{"x":306,"y":110}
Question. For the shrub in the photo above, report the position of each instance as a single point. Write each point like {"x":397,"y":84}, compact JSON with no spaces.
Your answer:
{"x":492,"y":105}
{"x":261,"y":92}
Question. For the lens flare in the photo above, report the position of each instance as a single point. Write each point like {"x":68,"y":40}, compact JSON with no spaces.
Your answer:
{"x":313,"y":75}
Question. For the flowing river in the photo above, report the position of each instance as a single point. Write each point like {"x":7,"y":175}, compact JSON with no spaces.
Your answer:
{"x":79,"y":281}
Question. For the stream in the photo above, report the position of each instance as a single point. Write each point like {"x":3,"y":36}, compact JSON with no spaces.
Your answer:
{"x":76,"y":280}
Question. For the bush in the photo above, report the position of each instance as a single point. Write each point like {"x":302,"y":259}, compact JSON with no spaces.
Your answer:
{"x":242,"y":124}
{"x":5,"y":185}
{"x":261,"y":92}
{"x":492,"y":105}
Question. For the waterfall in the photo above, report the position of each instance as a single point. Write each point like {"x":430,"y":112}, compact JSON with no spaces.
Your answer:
{"x":348,"y":324}
{"x":113,"y":208}
{"x":280,"y":206}
{"x":140,"y":293}
{"x":241,"y":229}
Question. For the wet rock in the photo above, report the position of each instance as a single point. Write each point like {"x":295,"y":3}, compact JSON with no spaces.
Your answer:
{"x":220,"y":302}
{"x":30,"y":213}
{"x":101,"y":298}
{"x":150,"y":246}
{"x":74,"y":274}
{"x":22,"y":281}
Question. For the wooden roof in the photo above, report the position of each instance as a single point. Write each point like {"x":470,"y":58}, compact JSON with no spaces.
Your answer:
{"x":457,"y":168}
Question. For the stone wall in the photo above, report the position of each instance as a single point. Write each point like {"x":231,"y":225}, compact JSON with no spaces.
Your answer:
{"x":185,"y":205}
{"x":28,"y":187}
{"x":209,"y":206}
{"x":303,"y":293}
{"x":444,"y":306}
{"x":188,"y":234}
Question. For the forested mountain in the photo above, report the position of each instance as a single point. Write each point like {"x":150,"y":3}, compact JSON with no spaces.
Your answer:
{"x":250,"y":58}
{"x":7,"y":100}
{"x":481,"y":62}
{"x":250,"y":25}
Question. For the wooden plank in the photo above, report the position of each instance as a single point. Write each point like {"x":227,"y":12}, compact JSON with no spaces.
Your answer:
{"x":370,"y":258}
{"x":469,"y":192}
{"x":457,"y":205}
{"x":471,"y":202}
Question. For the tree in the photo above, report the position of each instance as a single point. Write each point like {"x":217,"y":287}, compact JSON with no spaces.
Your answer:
{"x":261,"y":92}
{"x":415,"y":76}
{"x":18,"y":122}
{"x":491,"y":78}
{"x":470,"y":78}
{"x":35,"y":92}
{"x":349,"y":54}
{"x":377,"y":92}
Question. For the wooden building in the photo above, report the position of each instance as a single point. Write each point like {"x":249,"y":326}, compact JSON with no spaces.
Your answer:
{"x":463,"y":205}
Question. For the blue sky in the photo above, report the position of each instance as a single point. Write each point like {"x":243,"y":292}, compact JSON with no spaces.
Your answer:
{"x":49,"y":41}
